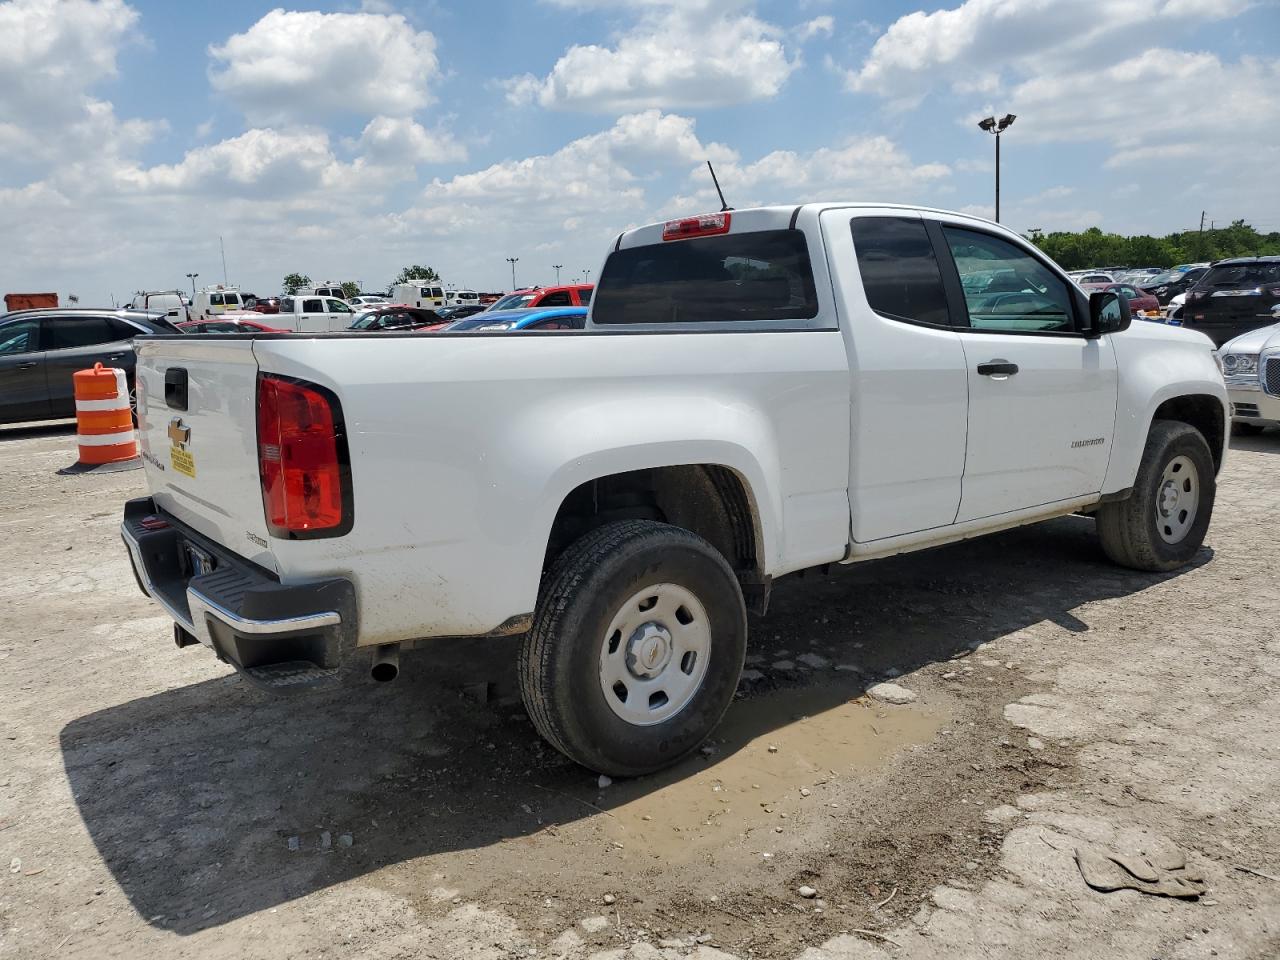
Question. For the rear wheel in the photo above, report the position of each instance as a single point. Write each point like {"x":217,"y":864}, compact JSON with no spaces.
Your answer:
{"x":1162,"y":524}
{"x":636,"y":647}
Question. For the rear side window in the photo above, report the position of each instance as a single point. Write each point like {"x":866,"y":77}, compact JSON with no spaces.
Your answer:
{"x":215,"y":299}
{"x":765,"y":275}
{"x":21,"y":337}
{"x":899,"y":271}
{"x":286,"y":304}
{"x":313,"y":306}
{"x":558,"y":299}
{"x":66,"y":332}
{"x":584,"y":296}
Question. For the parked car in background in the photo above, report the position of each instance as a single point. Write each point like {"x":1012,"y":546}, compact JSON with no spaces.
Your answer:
{"x":229,"y":324}
{"x":266,"y":305}
{"x":427,"y":294}
{"x":459,"y":311}
{"x":1233,"y":297}
{"x":326,"y":289}
{"x":41,"y":349}
{"x":535,"y":318}
{"x":1165,"y":286}
{"x":570,"y":295}
{"x":1094,"y":276}
{"x":395,"y":317}
{"x":461,"y":298}
{"x":1140,"y":301}
{"x":1251,"y":368}
{"x":366,"y":300}
{"x":173,"y":303}
{"x":307,"y":313}
{"x":212,"y":301}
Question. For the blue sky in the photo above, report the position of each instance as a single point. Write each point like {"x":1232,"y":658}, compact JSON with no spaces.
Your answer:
{"x":345,"y":140}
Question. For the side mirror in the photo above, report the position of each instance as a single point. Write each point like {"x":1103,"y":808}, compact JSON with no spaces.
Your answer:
{"x":1108,"y":313}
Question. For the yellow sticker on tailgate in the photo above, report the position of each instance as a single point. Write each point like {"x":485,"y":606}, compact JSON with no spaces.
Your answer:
{"x":183,"y":461}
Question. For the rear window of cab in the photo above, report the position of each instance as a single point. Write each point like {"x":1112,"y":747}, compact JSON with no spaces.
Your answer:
{"x":761,"y":275}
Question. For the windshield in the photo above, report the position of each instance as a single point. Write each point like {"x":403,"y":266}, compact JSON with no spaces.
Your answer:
{"x":1240,"y":276}
{"x":512,"y":300}
{"x":363,"y":321}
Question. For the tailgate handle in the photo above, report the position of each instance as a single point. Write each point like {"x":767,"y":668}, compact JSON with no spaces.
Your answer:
{"x":175,"y":388}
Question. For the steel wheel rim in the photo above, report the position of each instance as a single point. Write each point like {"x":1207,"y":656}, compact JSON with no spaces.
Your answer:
{"x":654,"y":655}
{"x":1177,"y":500}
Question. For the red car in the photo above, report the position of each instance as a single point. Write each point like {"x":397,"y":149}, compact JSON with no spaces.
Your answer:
{"x":1139,"y":300}
{"x":570,"y":295}
{"x":266,"y":305}
{"x":228,"y":325}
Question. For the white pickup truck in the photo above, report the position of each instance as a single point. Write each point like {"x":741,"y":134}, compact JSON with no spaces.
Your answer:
{"x":757,"y":392}
{"x":313,"y":313}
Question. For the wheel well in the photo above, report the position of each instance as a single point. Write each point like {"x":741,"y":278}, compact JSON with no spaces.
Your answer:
{"x":707,"y":499}
{"x":1203,"y":412}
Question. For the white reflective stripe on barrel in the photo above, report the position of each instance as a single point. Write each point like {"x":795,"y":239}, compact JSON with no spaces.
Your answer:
{"x":90,"y":406}
{"x":107,"y":439}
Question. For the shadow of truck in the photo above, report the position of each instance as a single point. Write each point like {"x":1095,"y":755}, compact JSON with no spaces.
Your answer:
{"x":209,"y":802}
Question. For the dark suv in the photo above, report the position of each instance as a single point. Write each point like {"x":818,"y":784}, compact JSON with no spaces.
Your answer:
{"x":1234,"y":297}
{"x":41,"y":349}
{"x":1169,"y":284}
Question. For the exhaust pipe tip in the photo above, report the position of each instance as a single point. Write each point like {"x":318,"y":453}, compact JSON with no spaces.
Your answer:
{"x":386,"y":663}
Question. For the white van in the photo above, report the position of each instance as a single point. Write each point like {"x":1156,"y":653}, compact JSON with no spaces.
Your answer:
{"x":311,"y":313}
{"x":172,"y":302}
{"x":429,"y":294}
{"x":212,"y":301}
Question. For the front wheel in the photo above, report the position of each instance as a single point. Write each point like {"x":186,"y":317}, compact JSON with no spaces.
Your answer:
{"x":636,"y":647}
{"x":1162,"y":524}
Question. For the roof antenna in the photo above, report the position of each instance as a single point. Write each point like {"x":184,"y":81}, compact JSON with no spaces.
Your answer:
{"x":723,"y":206}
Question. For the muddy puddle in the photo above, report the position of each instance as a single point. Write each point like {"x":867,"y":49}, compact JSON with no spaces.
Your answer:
{"x":773,"y":767}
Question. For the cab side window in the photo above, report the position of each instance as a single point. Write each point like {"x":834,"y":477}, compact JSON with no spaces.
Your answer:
{"x":215,"y":300}
{"x":1006,"y":289}
{"x":337,"y":306}
{"x":313,"y":306}
{"x":900,"y":274}
{"x":558,"y":299}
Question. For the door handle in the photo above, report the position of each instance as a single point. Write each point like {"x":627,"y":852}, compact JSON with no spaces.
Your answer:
{"x":27,"y":365}
{"x":997,"y":368}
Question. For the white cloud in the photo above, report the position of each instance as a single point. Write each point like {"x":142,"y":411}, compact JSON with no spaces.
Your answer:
{"x":859,"y":168}
{"x":678,"y":55}
{"x":400,"y":141}
{"x":55,"y":52}
{"x":300,"y":67}
{"x":959,"y":46}
{"x":822,"y":26}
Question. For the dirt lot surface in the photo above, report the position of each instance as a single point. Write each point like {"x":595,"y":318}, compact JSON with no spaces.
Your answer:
{"x":151,"y":804}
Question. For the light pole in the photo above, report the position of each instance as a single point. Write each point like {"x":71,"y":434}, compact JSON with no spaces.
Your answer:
{"x":513,"y":261}
{"x":192,"y":278}
{"x":556,"y":267}
{"x":586,"y":276}
{"x":992,"y":125}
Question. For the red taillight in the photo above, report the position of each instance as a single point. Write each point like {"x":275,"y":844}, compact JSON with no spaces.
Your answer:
{"x":706,"y":225}
{"x":302,"y":460}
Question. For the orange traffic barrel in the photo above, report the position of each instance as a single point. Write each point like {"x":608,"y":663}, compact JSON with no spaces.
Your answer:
{"x":104,"y":422}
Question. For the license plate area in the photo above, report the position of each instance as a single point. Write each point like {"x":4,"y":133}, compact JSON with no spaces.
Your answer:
{"x":196,"y":560}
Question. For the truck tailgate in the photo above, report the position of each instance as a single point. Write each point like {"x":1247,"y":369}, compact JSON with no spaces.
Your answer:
{"x":197,"y":425}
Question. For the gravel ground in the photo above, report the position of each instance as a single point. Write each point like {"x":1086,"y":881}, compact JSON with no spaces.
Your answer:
{"x":152,"y":804}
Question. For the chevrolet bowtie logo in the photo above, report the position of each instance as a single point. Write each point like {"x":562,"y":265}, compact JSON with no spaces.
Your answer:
{"x":179,"y":432}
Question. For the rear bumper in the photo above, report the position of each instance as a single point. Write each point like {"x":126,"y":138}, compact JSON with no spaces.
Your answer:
{"x":283,"y":637}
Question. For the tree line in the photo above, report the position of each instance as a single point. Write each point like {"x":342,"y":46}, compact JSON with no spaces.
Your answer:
{"x":1093,"y":248}
{"x":293,"y":282}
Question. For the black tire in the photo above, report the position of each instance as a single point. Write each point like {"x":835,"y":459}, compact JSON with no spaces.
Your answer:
{"x":1130,"y":529}
{"x":561,"y":657}
{"x":1240,"y":429}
